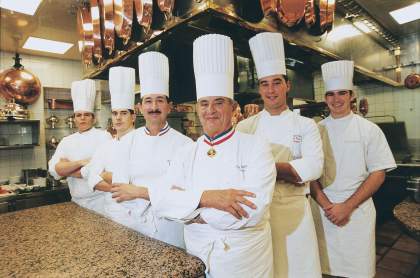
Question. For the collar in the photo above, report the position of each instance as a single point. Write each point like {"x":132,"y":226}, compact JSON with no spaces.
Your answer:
{"x":282,"y":114}
{"x":124,"y":136}
{"x":86,"y":131}
{"x":162,"y":131}
{"x":219,"y":139}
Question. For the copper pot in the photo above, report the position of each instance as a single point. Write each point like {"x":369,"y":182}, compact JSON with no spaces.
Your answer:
{"x":19,"y":84}
{"x":412,"y":81}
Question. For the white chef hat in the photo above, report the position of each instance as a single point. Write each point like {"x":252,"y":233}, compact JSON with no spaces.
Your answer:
{"x":213,"y":66}
{"x":268,"y":53}
{"x":121,"y":87}
{"x":83,"y":94}
{"x":338,"y":75}
{"x":153,"y":73}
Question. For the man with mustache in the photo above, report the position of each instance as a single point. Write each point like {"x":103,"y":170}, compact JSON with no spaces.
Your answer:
{"x":153,"y":148}
{"x":74,"y":151}
{"x":112,"y":157}
{"x":206,"y":185}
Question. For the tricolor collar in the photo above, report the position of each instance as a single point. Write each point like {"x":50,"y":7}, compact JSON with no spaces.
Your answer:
{"x":162,"y":131}
{"x":219,"y":139}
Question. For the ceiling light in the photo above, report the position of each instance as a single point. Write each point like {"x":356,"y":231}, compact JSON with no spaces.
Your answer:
{"x":406,"y":14}
{"x":47,"y":45}
{"x":21,"y":6}
{"x":362,"y":26}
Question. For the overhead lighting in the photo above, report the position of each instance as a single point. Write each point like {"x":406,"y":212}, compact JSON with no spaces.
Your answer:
{"x":362,"y":26}
{"x":21,"y":6}
{"x":47,"y":45}
{"x":343,"y":32}
{"x":406,"y":14}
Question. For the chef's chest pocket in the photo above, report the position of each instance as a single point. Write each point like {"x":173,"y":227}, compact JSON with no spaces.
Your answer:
{"x":352,"y":162}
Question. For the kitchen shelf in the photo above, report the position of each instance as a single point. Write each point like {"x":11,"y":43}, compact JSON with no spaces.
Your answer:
{"x":19,"y":134}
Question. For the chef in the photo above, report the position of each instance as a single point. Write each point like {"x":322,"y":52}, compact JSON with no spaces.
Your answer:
{"x":346,"y":223}
{"x":221,"y":162}
{"x":112,"y":157}
{"x":74,"y":151}
{"x":153,"y":149}
{"x":297,"y":151}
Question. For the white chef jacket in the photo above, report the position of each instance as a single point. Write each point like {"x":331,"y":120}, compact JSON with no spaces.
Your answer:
{"x":294,"y":239}
{"x":360,"y":148}
{"x":150,"y":158}
{"x":229,"y":247}
{"x":79,"y":146}
{"x":113,"y":156}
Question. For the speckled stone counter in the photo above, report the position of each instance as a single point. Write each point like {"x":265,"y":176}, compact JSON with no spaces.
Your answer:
{"x":65,"y":240}
{"x":408,"y":214}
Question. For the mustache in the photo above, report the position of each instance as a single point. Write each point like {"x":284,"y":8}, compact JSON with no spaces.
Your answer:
{"x":157,"y":111}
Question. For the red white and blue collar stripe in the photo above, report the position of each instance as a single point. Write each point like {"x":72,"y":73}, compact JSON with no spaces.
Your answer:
{"x":163,"y":131}
{"x":219,"y":139}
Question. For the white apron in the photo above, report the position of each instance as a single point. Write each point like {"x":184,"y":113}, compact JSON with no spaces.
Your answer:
{"x":229,"y":247}
{"x":79,"y":146}
{"x":349,"y":251}
{"x":150,"y":158}
{"x":295,"y":248}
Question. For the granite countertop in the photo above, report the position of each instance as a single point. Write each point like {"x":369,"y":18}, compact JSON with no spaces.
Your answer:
{"x":65,"y":240}
{"x":408,"y":214}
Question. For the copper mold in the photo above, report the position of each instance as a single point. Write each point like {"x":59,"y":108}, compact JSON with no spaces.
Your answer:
{"x":123,"y":19}
{"x":84,"y":24}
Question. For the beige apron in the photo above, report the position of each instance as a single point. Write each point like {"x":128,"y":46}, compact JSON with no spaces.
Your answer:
{"x":295,"y":249}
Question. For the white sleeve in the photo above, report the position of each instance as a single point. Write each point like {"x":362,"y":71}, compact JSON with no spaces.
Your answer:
{"x":309,"y":167}
{"x":172,"y":196}
{"x":260,"y":177}
{"x":58,"y":154}
{"x":95,"y":167}
{"x":379,"y":155}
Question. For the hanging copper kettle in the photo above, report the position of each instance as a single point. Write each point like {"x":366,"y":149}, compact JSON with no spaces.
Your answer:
{"x":19,"y":84}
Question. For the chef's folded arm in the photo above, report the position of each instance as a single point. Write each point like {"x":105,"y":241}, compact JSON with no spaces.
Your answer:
{"x":259,"y":179}
{"x":309,"y":166}
{"x":60,"y":166}
{"x":186,"y":203}
{"x":94,"y":171}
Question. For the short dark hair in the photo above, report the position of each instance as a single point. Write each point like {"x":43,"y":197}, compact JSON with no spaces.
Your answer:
{"x":286,"y":79}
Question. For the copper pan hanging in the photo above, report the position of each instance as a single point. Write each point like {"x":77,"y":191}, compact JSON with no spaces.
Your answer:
{"x":144,"y":13}
{"x":310,"y":17}
{"x":84,"y":25}
{"x":326,"y":14}
{"x":268,"y":6}
{"x":290,"y":12}
{"x":123,"y":19}
{"x":108,"y":26}
{"x":166,"y":6}
{"x":96,"y":7}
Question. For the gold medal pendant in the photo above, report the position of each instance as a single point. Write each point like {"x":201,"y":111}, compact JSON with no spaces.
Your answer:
{"x":211,"y":152}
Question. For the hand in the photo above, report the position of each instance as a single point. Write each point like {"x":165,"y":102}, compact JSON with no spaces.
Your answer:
{"x":339,"y":214}
{"x":228,"y":200}
{"x":250,"y":110}
{"x":126,"y":192}
{"x":64,"y":159}
{"x":84,"y":162}
{"x":106,"y":176}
